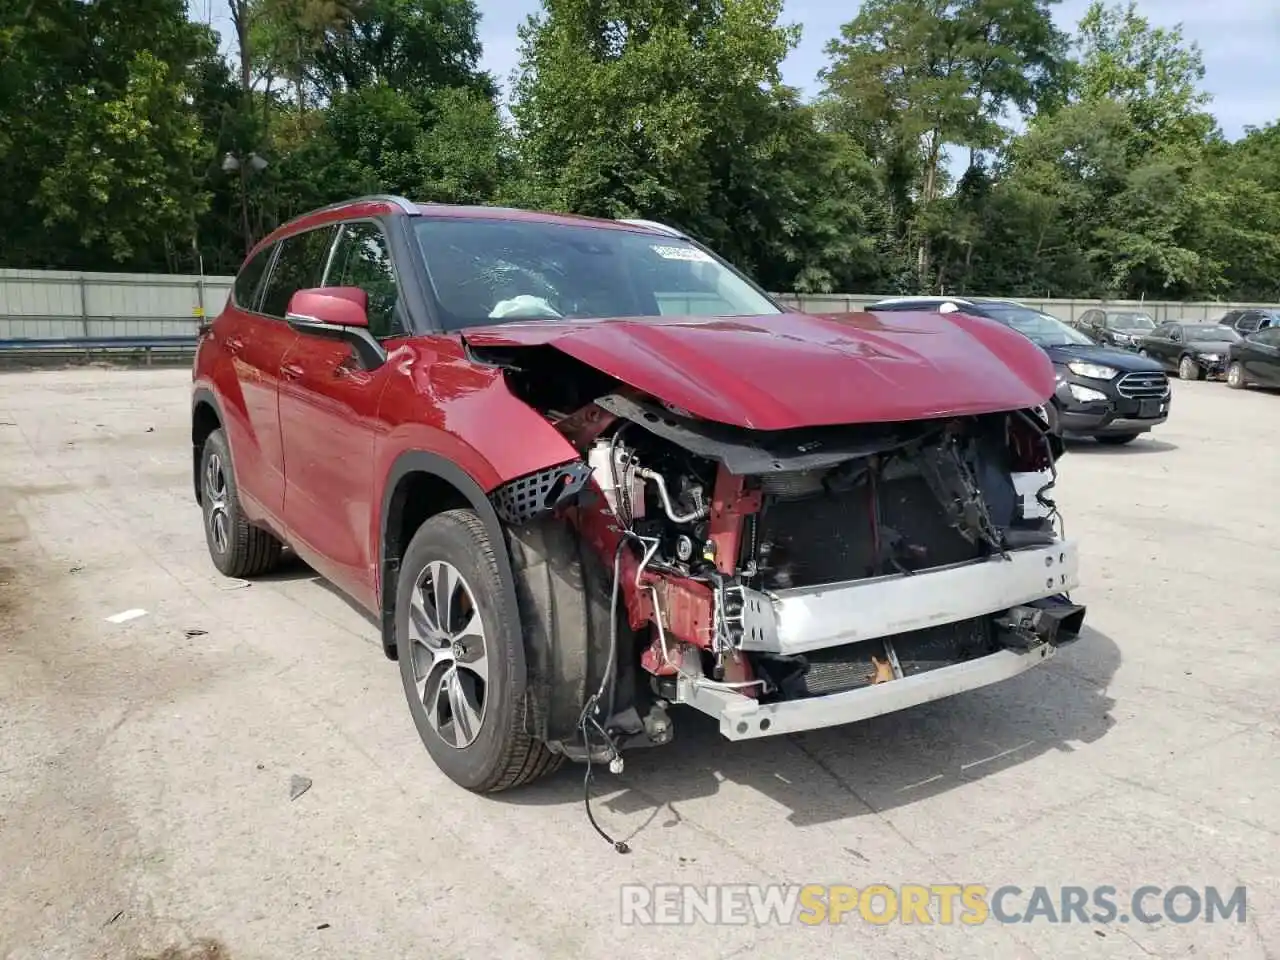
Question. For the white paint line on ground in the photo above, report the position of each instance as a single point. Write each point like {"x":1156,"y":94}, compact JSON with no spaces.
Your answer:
{"x":126,"y":615}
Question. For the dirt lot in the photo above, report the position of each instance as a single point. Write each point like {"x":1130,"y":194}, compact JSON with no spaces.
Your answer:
{"x":145,"y":768}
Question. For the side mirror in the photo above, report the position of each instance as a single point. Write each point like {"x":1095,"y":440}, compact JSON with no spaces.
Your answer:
{"x":337,"y":313}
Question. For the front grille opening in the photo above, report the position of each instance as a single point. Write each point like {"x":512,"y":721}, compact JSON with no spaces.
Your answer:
{"x":833,"y":537}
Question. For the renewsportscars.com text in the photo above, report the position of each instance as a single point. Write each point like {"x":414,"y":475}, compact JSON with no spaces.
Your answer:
{"x":937,"y":903}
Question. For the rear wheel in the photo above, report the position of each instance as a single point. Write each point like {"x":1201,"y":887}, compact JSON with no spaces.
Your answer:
{"x":1188,"y":369}
{"x":459,"y":654}
{"x":237,"y":548}
{"x":1118,"y":439}
{"x":1235,"y":376}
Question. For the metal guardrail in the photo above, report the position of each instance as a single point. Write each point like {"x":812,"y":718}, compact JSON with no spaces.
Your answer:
{"x":148,"y":349}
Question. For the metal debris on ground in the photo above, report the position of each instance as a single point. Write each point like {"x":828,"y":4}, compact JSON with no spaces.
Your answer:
{"x":195,"y":632}
{"x":298,"y":786}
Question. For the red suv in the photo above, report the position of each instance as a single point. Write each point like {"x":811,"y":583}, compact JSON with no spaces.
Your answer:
{"x":583,"y":471}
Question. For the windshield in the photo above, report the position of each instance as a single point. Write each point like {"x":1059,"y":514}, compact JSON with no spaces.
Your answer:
{"x":1130,"y":321}
{"x":486,"y":271}
{"x":1043,"y":329}
{"x":1210,"y":333}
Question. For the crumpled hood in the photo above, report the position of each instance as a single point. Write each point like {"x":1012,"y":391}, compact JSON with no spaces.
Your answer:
{"x":794,"y":370}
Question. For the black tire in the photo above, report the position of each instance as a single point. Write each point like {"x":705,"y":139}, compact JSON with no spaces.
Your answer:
{"x":1118,"y":439}
{"x":1188,"y":369}
{"x":500,"y":754}
{"x":1235,"y":376}
{"x":237,"y":547}
{"x":1052,"y":417}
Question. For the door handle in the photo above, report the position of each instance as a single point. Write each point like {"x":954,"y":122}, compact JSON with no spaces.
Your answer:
{"x":233,"y":344}
{"x":291,"y":371}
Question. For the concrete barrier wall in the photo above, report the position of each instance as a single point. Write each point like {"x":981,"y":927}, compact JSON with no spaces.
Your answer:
{"x":58,"y":304}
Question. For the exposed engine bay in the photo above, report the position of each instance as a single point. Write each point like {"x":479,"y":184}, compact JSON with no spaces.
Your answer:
{"x":769,"y":578}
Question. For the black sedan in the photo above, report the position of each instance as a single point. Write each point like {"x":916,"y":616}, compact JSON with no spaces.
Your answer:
{"x":1255,"y":359}
{"x":1103,"y":392}
{"x":1195,"y":350}
{"x":1115,"y":328}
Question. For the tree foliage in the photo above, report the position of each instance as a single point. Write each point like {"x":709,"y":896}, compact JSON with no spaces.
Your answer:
{"x":961,"y":145}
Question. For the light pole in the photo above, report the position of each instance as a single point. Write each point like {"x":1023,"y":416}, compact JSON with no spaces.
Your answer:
{"x":251,"y":164}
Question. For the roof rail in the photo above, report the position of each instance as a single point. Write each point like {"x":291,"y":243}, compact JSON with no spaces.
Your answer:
{"x":406,"y":206}
{"x":654,"y":225}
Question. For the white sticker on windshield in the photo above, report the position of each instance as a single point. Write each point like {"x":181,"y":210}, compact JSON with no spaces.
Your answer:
{"x":692,"y":254}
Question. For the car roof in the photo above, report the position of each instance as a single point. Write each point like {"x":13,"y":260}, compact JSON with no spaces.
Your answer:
{"x":392,"y":205}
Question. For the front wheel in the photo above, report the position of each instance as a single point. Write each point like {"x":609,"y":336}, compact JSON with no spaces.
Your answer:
{"x":1118,"y":439}
{"x":1188,"y":369}
{"x":459,"y":653}
{"x":237,"y":548}
{"x":1235,"y":376}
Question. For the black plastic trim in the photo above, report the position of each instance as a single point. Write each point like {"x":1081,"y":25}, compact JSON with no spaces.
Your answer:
{"x":411,"y":269}
{"x":537,"y":494}
{"x":371,"y":352}
{"x":420,"y":461}
{"x":198,"y":396}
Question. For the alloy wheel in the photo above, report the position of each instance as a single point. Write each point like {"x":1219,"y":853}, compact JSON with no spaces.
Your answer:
{"x":215,"y":496}
{"x":450,"y":654}
{"x":1234,"y":375}
{"x":1187,"y":369}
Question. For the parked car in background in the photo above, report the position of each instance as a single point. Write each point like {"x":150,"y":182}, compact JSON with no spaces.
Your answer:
{"x":1255,"y":360}
{"x":1103,"y":392}
{"x":1195,"y":350}
{"x":1118,"y":328}
{"x":1250,"y":320}
{"x":583,"y":472}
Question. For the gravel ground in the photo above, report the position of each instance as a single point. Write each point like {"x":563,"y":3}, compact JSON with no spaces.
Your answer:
{"x":145,"y":766}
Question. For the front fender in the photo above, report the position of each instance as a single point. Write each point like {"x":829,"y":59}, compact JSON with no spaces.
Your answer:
{"x":455,"y":420}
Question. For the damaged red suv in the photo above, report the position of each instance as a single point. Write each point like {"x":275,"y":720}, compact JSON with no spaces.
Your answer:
{"x":587,"y":477}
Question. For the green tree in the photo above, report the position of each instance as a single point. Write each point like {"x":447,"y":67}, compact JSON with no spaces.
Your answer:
{"x":1154,"y":72}
{"x":1122,"y":166}
{"x":101,"y":152}
{"x":408,"y":45}
{"x":910,"y":77}
{"x":675,"y":111}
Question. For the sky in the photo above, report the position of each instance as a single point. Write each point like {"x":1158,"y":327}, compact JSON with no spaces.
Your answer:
{"x":1240,"y":40}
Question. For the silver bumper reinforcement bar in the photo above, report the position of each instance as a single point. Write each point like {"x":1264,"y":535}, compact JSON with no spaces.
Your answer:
{"x":788,"y":622}
{"x":743,"y":718}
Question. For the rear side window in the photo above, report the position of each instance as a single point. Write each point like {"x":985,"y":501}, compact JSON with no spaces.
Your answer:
{"x":1249,"y":322}
{"x":363,"y":259}
{"x":249,"y":280}
{"x":300,"y":265}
